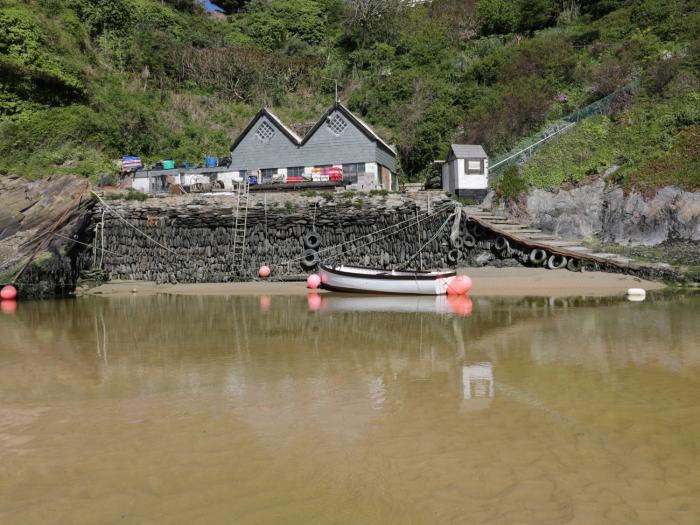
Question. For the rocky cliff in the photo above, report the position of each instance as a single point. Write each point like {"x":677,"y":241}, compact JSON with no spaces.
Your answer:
{"x":607,"y":213}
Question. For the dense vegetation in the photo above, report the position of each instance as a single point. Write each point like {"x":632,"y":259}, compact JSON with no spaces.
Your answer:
{"x":83,"y":82}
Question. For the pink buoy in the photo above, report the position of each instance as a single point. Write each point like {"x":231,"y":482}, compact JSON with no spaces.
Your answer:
{"x":264,"y":271}
{"x":8,"y":306}
{"x":459,"y":285}
{"x":8,"y":292}
{"x":315,"y":301}
{"x":312,"y":281}
{"x":461,"y":305}
{"x":265,"y":303}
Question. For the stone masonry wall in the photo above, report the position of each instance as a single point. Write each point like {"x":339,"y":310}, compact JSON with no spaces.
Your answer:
{"x":198,"y":234}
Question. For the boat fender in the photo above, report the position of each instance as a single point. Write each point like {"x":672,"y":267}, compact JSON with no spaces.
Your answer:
{"x":469,"y":241}
{"x":501,"y":244}
{"x":312,"y":240}
{"x":454,"y":256}
{"x":574,"y":265}
{"x":309,"y":258}
{"x":538,"y":256}
{"x":636,"y":294}
{"x":556,"y":262}
{"x":457,"y":242}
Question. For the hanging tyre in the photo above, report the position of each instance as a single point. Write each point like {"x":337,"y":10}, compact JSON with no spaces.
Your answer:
{"x":556,"y":262}
{"x":469,"y":240}
{"x":312,"y":240}
{"x":538,"y":257}
{"x":574,"y":265}
{"x":309,"y":258}
{"x":457,"y":242}
{"x":454,"y":256}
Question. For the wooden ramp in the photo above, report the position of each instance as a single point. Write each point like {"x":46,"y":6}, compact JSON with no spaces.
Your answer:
{"x":524,"y":238}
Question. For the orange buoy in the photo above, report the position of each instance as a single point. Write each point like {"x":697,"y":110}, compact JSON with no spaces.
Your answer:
{"x":8,"y":306}
{"x":264,"y":271}
{"x":459,"y":285}
{"x":312,"y":281}
{"x":8,"y":292}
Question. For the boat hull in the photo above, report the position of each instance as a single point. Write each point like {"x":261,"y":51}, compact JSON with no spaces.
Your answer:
{"x":365,"y":280}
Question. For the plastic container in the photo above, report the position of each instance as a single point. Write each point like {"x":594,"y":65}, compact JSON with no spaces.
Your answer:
{"x":168,"y":164}
{"x":211,"y":162}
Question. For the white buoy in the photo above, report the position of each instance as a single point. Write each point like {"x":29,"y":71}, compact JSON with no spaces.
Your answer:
{"x":636,"y":294}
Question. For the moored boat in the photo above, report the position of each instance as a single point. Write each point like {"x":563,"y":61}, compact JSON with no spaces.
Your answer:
{"x":369,"y":280}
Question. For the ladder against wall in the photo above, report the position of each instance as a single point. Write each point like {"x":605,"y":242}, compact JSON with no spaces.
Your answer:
{"x":240,"y":224}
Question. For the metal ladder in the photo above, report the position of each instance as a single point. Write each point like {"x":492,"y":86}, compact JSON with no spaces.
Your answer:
{"x":240,"y":224}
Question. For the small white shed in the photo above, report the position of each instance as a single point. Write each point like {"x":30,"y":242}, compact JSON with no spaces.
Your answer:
{"x":466,"y":171}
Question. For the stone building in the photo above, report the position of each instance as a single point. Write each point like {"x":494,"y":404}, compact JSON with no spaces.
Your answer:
{"x":339,"y":146}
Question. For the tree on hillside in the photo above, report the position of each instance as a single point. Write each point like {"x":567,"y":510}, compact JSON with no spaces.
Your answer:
{"x":497,"y":17}
{"x":370,"y":20}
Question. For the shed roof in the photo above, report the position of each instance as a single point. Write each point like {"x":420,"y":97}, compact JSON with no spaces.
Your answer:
{"x":468,"y":151}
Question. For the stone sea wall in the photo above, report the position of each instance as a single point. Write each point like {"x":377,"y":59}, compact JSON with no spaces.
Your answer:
{"x":191,"y":239}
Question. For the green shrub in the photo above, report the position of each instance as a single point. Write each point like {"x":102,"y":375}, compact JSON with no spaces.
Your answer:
{"x":511,"y":185}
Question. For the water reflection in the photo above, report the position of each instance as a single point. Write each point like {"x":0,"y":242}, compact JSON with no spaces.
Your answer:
{"x":371,"y":409}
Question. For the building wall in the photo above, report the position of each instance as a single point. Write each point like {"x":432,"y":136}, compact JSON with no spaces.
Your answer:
{"x":472,"y":174}
{"x":252,"y":154}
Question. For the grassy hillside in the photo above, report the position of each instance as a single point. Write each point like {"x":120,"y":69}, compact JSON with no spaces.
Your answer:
{"x":83,"y":82}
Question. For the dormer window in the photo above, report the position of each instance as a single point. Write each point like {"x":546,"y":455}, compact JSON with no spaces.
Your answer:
{"x":337,"y":124}
{"x":264,"y":133}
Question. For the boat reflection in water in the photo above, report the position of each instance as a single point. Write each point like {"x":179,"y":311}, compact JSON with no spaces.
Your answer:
{"x":440,"y":304}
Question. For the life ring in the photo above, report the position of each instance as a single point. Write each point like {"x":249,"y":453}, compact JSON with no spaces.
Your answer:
{"x":454,"y":256}
{"x":312,"y":240}
{"x":309,"y":258}
{"x":457,"y":242}
{"x":469,"y":241}
{"x":556,"y":262}
{"x":574,"y":265}
{"x":538,"y":256}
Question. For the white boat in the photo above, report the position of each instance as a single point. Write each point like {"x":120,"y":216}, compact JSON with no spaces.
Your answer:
{"x":368,"y":280}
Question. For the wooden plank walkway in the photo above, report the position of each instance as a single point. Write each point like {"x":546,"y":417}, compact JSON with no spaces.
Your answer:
{"x":533,"y":238}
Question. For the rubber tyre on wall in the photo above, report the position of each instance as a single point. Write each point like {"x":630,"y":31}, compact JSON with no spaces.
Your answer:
{"x":501,"y":244}
{"x":574,"y":265}
{"x":312,"y":240}
{"x":458,"y":242}
{"x":538,"y":257}
{"x":309,"y":258}
{"x":556,"y":262}
{"x":469,"y":241}
{"x":454,"y":256}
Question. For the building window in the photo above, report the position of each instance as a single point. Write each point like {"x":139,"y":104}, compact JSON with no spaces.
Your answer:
{"x":337,"y":124}
{"x":351,"y":171}
{"x":264,"y":133}
{"x":267,"y":174}
{"x":296,"y":171}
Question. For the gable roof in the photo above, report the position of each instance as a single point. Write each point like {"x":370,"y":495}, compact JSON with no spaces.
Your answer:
{"x":296,"y":139}
{"x":360,"y":124}
{"x":468,"y":151}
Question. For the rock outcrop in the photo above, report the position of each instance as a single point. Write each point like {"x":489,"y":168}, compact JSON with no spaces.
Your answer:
{"x":598,"y":210}
{"x":28,"y":210}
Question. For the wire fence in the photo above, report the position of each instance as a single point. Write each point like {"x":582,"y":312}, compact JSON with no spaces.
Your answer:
{"x":527,"y":147}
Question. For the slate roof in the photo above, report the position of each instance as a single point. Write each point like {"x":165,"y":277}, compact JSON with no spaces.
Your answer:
{"x":468,"y":151}
{"x":299,"y":141}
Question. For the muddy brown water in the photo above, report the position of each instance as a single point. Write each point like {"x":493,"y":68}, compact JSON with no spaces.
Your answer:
{"x":344,"y":410}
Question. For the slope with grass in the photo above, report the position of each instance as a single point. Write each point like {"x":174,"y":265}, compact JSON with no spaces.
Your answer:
{"x":83,"y":82}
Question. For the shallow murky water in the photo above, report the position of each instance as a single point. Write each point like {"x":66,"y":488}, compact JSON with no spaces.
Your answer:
{"x":288,"y":410}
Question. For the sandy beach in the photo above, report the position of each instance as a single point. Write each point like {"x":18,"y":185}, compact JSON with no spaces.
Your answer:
{"x":488,"y":281}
